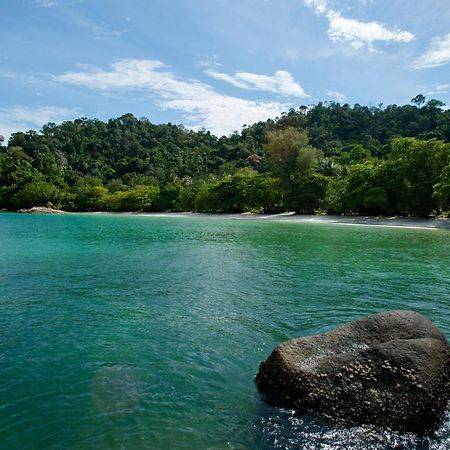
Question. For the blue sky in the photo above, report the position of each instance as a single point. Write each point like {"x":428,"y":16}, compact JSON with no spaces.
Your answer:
{"x":215,"y":64}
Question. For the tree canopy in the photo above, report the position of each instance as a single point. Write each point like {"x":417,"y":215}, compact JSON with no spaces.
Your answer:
{"x":325,"y":158}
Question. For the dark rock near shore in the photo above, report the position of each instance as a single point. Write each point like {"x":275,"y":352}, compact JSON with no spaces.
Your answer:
{"x":390,"y":369}
{"x":41,"y":210}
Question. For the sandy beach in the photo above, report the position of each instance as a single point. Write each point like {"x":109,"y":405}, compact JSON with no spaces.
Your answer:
{"x":383,"y":221}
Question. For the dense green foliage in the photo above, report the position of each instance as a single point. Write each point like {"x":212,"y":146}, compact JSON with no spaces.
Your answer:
{"x":326,"y":158}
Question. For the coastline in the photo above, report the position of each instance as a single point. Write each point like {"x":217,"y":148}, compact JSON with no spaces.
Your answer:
{"x":431,"y":223}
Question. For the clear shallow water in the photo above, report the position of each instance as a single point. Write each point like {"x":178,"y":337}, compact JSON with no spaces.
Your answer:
{"x":127,"y":332}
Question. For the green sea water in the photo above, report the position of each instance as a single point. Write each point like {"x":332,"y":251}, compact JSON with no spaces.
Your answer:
{"x":131,"y":332}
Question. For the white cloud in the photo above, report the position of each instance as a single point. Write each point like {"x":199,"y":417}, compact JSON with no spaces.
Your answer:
{"x":320,"y":6}
{"x":208,"y":63}
{"x":46,"y":3}
{"x":338,"y":96}
{"x":358,"y":34}
{"x":234,"y":80}
{"x":362,"y":34}
{"x":201,"y":105}
{"x":22,"y":118}
{"x":437,"y":55}
{"x":281,"y":82}
{"x":440,"y":89}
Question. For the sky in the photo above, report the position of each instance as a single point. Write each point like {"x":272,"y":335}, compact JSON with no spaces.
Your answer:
{"x":215,"y":64}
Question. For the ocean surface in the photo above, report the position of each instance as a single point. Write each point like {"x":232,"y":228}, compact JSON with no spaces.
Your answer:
{"x":134,"y":332}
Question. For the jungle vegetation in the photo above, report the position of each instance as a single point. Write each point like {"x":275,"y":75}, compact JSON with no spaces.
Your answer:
{"x":329,"y":157}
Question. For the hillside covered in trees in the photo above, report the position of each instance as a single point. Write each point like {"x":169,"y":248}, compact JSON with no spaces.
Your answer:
{"x":326,"y":158}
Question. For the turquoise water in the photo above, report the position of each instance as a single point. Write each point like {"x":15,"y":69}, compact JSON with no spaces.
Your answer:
{"x":129,"y":332}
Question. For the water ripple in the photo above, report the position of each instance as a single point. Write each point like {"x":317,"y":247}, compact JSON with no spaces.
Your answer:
{"x":139,"y":332}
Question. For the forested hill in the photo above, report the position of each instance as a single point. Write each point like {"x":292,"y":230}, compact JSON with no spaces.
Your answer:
{"x":326,"y":158}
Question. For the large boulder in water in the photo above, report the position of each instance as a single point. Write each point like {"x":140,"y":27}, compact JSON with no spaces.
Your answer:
{"x":390,"y":369}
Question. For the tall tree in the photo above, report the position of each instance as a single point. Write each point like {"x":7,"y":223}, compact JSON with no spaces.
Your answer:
{"x":291,"y":158}
{"x":418,"y":100}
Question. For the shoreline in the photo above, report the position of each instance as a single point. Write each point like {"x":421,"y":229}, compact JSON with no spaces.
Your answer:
{"x":431,"y":223}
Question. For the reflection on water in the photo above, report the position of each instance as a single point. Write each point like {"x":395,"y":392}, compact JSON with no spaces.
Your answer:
{"x":116,"y":391}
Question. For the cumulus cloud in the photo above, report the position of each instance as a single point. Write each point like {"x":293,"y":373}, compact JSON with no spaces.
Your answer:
{"x":201,"y":105}
{"x":357,"y":33}
{"x":281,"y":82}
{"x":437,"y":55}
{"x":22,"y":118}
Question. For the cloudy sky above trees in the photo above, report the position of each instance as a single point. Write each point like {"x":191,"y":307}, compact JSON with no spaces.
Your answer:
{"x":215,"y":64}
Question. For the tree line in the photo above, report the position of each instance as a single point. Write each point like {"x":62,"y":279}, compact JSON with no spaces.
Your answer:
{"x":332,"y":158}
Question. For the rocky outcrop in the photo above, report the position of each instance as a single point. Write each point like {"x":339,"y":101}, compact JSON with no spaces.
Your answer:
{"x":41,"y":210}
{"x":390,"y":369}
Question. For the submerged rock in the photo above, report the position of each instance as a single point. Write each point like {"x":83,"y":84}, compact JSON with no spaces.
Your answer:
{"x":40,"y":210}
{"x":390,"y":369}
